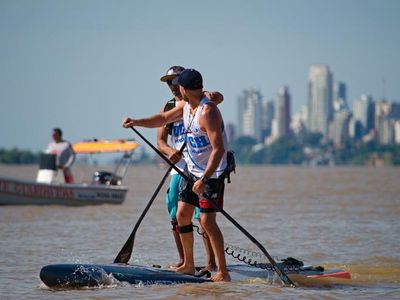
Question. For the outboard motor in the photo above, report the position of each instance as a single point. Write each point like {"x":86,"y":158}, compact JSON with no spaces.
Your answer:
{"x":106,"y":178}
{"x":47,"y":168}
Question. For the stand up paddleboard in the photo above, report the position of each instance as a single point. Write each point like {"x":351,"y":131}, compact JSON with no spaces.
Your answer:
{"x":88,"y":275}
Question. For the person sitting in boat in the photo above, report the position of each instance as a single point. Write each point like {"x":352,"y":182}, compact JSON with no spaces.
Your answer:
{"x":64,"y":152}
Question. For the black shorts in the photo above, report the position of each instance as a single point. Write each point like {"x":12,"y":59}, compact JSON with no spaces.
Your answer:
{"x":214,"y":190}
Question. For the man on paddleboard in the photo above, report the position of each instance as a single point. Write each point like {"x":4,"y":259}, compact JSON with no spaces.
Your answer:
{"x":176,"y":132}
{"x":206,"y":164}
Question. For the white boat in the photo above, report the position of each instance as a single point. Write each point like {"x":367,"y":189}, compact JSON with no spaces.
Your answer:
{"x":106,"y":187}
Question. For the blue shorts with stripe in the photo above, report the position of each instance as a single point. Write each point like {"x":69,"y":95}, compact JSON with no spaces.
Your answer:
{"x":173,"y":197}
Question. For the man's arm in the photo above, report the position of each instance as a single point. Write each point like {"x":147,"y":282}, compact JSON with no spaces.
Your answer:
{"x":162,"y":145}
{"x":158,"y":120}
{"x":162,"y":137}
{"x":211,"y":122}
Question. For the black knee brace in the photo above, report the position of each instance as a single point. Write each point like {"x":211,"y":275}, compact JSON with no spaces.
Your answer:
{"x":174,"y":224}
{"x":185,"y":228}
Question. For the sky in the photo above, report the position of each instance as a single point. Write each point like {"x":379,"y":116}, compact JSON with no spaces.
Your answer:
{"x":84,"y":65}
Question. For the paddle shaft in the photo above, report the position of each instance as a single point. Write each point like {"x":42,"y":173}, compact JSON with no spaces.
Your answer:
{"x":125,"y":253}
{"x":280,"y":273}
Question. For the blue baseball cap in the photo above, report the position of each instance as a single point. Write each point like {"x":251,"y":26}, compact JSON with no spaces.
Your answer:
{"x":190,"y":79}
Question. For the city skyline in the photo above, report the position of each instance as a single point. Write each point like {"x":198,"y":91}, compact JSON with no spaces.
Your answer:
{"x":349,"y":102}
{"x":327,"y":111}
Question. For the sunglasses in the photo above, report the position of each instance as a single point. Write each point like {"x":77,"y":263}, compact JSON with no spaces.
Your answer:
{"x":173,"y":81}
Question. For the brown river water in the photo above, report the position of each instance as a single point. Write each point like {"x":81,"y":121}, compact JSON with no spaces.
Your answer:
{"x":343,"y":217}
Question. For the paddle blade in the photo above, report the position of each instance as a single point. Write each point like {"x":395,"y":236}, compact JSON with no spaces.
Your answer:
{"x":124,"y":255}
{"x":286,"y":280}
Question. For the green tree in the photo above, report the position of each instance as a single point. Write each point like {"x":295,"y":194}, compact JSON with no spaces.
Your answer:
{"x":285,"y":150}
{"x":16,"y":156}
{"x":311,"y":139}
{"x":243,"y":148}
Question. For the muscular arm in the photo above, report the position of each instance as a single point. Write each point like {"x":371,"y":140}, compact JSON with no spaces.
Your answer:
{"x":162,"y":137}
{"x":158,"y":120}
{"x":173,"y":154}
{"x":211,"y":122}
{"x":162,"y":144}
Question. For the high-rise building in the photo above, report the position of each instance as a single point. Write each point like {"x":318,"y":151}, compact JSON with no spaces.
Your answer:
{"x":397,"y":132}
{"x":386,"y":115}
{"x":267,"y":117}
{"x":340,"y":127}
{"x":304,"y":114}
{"x":387,"y":132}
{"x":340,"y":91}
{"x":297,"y":124}
{"x":250,"y":114}
{"x":364,"y":112}
{"x":320,"y":99}
{"x":395,"y":117}
{"x":382,"y":112}
{"x":282,"y":113}
{"x":340,"y":96}
{"x":355,"y":129}
{"x":394,"y":110}
{"x":230,"y":132}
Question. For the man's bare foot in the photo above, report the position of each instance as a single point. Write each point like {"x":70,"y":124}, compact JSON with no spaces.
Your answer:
{"x":185,"y":270}
{"x":176,"y":265}
{"x":220,"y":276}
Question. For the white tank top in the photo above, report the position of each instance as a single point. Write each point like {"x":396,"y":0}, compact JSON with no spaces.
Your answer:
{"x":63,"y":150}
{"x":198,"y":145}
{"x":177,"y":140}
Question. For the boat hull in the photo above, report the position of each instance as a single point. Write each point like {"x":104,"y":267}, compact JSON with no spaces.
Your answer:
{"x":22,"y":192}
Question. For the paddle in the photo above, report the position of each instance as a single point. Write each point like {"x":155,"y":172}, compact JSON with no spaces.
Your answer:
{"x":282,"y":275}
{"x":125,"y":253}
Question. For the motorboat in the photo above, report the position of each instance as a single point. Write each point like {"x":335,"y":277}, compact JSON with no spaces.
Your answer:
{"x":105,"y":187}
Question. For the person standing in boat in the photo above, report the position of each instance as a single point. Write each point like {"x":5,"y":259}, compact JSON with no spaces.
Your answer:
{"x":206,"y":164}
{"x":64,"y":153}
{"x":176,"y":132}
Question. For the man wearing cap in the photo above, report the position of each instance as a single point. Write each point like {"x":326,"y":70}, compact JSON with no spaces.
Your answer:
{"x":177,"y":138}
{"x":206,"y":163}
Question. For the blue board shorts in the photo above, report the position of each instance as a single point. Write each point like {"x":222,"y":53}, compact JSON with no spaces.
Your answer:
{"x":173,"y":196}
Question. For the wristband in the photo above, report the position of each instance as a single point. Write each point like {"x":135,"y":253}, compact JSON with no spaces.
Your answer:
{"x":204,"y":179}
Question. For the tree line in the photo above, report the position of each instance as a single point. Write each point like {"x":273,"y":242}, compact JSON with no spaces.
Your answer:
{"x":17,"y":156}
{"x":305,"y":150}
{"x":310,"y":150}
